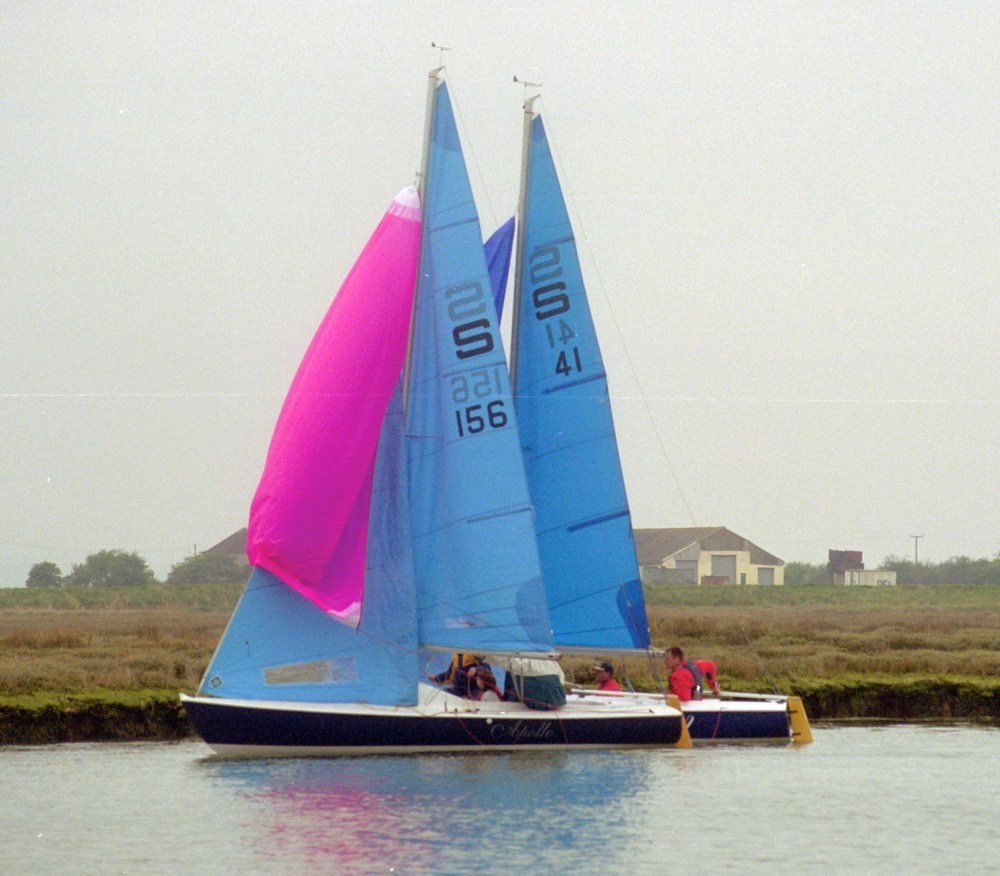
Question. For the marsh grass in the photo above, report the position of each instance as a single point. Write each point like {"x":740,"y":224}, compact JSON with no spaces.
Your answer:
{"x":761,"y":638}
{"x":161,"y":637}
{"x":155,"y":637}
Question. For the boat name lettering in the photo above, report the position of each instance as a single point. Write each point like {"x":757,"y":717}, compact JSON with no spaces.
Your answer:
{"x":472,"y":337}
{"x":522,"y":731}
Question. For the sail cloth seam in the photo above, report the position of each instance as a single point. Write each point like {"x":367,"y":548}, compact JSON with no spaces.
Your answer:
{"x":537,"y":456}
{"x":445,"y":226}
{"x":591,"y":593}
{"x":555,"y":241}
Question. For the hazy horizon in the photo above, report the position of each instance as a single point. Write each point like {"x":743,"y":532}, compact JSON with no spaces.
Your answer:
{"x":783,"y":212}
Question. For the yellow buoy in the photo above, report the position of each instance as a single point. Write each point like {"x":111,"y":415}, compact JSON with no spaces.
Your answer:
{"x":801,"y":733}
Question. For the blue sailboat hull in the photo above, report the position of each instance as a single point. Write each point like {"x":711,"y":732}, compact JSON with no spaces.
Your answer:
{"x":254,"y":729}
{"x":734,"y":724}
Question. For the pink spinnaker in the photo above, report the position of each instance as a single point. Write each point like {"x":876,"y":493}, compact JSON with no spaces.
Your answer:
{"x":309,"y":516}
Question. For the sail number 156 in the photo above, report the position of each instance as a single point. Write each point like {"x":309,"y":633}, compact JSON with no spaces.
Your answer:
{"x":477,"y":408}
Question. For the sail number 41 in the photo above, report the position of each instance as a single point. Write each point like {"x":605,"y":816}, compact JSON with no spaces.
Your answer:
{"x":551,"y":300}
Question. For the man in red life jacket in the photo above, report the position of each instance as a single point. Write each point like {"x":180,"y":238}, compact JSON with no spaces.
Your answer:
{"x":685,"y":676}
{"x":604,"y":674}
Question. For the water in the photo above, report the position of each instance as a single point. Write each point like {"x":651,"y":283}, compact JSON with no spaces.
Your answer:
{"x":859,"y":800}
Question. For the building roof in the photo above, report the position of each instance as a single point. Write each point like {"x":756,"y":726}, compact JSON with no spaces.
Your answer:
{"x":234,"y":544}
{"x":654,"y":546}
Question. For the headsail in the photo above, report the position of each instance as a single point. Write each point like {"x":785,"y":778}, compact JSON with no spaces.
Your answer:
{"x":282,"y":642}
{"x":498,"y":251}
{"x":280,"y":646}
{"x":564,"y":414}
{"x":309,"y":517}
{"x":479,"y":586}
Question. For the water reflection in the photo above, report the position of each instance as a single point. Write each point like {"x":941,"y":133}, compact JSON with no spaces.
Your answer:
{"x":875,"y":800}
{"x":414,"y":814}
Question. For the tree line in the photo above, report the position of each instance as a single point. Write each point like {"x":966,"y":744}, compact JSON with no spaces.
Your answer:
{"x":118,"y":568}
{"x":956,"y":570}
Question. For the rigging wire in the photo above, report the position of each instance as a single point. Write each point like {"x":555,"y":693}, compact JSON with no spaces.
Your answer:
{"x":578,"y":224}
{"x":468,"y":148}
{"x":759,"y":659}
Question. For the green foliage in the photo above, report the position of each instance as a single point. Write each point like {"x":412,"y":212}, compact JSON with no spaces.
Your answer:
{"x":961,"y":571}
{"x":115,"y":568}
{"x":200,"y":597}
{"x":805,"y":573}
{"x":956,"y":570}
{"x":208,"y":569}
{"x":45,"y":574}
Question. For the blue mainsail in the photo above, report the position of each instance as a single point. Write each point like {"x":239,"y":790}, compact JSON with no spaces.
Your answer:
{"x":564,"y":414}
{"x":479,"y":586}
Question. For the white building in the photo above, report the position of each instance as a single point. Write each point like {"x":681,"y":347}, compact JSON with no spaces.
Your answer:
{"x":704,"y":555}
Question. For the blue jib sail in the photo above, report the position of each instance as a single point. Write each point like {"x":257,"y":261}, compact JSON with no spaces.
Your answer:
{"x":571,"y":455}
{"x":280,"y":646}
{"x":498,"y":249}
{"x":479,"y":586}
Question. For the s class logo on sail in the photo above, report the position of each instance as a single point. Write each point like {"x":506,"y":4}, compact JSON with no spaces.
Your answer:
{"x":472,"y":337}
{"x":550,"y":300}
{"x":469,"y":307}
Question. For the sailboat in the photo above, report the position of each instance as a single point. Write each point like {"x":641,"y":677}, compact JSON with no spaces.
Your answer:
{"x":583,"y":524}
{"x":393,"y":518}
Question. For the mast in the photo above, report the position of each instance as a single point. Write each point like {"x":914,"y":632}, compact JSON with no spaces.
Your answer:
{"x":522,"y":204}
{"x":433,"y":81}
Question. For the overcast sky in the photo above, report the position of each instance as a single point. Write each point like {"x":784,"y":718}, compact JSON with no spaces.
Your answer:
{"x":787,"y":214}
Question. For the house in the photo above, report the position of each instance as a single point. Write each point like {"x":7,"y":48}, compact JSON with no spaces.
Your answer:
{"x":704,"y":555}
{"x":233,"y":546}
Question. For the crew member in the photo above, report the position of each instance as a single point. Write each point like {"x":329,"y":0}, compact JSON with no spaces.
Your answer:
{"x":456,"y":676}
{"x":604,"y":674}
{"x":685,"y":676}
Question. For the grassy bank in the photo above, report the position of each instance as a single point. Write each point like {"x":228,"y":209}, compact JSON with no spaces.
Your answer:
{"x":102,"y":663}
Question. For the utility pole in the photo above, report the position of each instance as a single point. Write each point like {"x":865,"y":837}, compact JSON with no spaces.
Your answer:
{"x":916,"y":538}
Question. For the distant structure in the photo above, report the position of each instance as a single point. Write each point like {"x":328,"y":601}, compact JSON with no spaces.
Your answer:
{"x":847,"y":568}
{"x":704,"y":555}
{"x":233,"y":546}
{"x":843,"y":561}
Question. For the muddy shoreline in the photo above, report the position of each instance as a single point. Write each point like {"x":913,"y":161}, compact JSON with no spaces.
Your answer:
{"x":159,"y":715}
